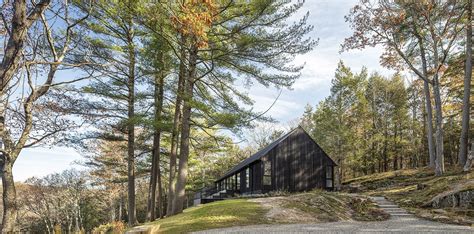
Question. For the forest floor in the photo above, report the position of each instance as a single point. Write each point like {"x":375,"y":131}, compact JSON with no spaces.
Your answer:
{"x":448,"y":198}
{"x":311,"y":207}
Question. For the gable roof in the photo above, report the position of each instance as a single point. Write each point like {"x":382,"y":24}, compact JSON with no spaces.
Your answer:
{"x":266,"y":149}
{"x":257,"y":155}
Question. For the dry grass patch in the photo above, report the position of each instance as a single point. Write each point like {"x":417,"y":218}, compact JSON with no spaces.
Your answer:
{"x":320,"y":206}
{"x":421,"y":192}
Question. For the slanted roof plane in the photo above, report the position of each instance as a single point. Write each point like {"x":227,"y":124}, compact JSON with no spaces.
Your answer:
{"x":257,"y":155}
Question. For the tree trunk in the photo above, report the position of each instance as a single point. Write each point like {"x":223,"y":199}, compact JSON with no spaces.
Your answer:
{"x":21,"y":22}
{"x":174,"y":132}
{"x":131,"y":133}
{"x":401,"y":153}
{"x":10,"y":210}
{"x":113,"y":207}
{"x":185,"y":132}
{"x":384,"y":154}
{"x":395,"y":156}
{"x":150,"y":214}
{"x":120,"y":208}
{"x":159,"y":99}
{"x":429,"y":123}
{"x":439,"y":149}
{"x":156,"y":172}
{"x":466,"y":107}
{"x":429,"y":108}
{"x":439,"y":162}
{"x":470,"y":158}
{"x":131,"y":166}
{"x":159,"y":196}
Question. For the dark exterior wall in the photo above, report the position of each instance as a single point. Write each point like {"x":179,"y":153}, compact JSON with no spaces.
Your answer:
{"x":298,"y":164}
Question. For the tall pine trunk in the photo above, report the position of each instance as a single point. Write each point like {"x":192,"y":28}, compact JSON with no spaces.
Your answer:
{"x":131,"y":133}
{"x":185,"y":133}
{"x":439,"y":148}
{"x":395,"y":156}
{"x":466,"y":107}
{"x":150,"y":210}
{"x":175,"y":131}
{"x":155,"y":178}
{"x":439,"y":162}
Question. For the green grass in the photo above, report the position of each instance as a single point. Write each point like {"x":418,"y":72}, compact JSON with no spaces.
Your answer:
{"x":237,"y":212}
{"x":318,"y":205}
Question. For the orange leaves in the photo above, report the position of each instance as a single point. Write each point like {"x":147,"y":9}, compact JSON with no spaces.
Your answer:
{"x":195,"y":19}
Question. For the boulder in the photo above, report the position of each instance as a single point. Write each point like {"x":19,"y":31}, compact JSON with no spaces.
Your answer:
{"x":462,"y":195}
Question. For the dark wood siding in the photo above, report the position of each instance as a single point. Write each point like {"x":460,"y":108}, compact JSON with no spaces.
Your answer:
{"x":297,"y":164}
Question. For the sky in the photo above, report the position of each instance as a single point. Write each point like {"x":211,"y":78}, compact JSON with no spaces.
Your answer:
{"x":327,"y":16}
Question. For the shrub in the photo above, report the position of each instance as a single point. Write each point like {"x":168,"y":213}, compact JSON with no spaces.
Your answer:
{"x":115,"y":227}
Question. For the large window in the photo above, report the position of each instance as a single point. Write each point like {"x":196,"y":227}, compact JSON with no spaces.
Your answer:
{"x":267,"y":173}
{"x":237,"y":180}
{"x":329,"y":179}
{"x":232,"y":183}
{"x":228,"y":183}
{"x":247,"y":177}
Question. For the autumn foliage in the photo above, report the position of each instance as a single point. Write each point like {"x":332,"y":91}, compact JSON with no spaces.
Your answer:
{"x":195,"y":19}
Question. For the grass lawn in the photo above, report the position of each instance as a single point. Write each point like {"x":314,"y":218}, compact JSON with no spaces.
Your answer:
{"x":236,"y":212}
{"x":310,"y":207}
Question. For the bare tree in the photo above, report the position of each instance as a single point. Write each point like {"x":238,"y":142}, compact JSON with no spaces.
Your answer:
{"x":35,"y":51}
{"x":470,"y":159}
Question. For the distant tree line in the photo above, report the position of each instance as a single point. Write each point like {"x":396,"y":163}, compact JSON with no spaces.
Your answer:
{"x":418,"y":117}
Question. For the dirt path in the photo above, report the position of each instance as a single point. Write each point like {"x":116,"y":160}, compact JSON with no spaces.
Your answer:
{"x":277,"y":213}
{"x":400,"y":222}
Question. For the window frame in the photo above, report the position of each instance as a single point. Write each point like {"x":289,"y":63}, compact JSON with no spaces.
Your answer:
{"x":267,"y":173}
{"x":247,"y":178}
{"x":329,"y":177}
{"x":237,"y":181}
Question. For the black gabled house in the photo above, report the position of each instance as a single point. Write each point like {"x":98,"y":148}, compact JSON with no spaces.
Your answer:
{"x":294,"y":162}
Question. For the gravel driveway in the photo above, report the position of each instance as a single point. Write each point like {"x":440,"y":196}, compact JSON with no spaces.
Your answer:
{"x":400,"y":222}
